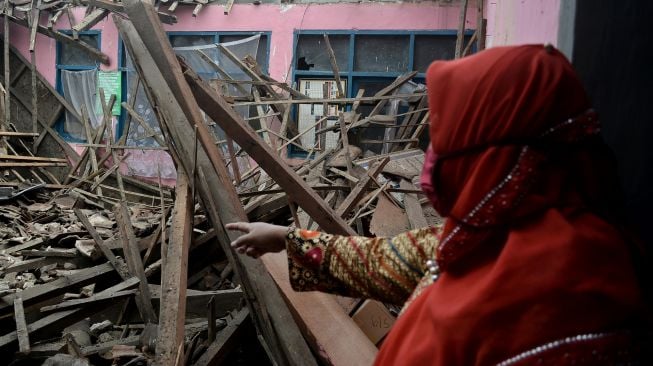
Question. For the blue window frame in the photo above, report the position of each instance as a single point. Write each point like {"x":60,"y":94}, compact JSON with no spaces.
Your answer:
{"x":368,"y":59}
{"x":73,"y":59}
{"x":193,"y":38}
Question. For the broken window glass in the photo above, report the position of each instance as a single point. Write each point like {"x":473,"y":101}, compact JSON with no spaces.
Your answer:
{"x":312,"y":52}
{"x":381,"y":53}
{"x":429,"y":48}
{"x":70,"y":55}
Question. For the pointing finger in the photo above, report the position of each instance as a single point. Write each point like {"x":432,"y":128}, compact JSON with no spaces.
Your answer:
{"x":239,"y":226}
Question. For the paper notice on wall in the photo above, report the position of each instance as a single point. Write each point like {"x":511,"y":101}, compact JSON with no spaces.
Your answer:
{"x":110,"y":82}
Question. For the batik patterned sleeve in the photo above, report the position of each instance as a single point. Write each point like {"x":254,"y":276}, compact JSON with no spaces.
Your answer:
{"x":385,"y":269}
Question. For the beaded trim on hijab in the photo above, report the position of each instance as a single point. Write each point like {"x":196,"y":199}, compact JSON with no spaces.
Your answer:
{"x":511,"y":190}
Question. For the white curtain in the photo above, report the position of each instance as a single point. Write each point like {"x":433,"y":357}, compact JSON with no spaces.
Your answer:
{"x":194,"y":57}
{"x":80,"y":89}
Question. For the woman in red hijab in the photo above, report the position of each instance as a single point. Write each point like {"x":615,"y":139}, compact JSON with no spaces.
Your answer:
{"x":531,"y":265}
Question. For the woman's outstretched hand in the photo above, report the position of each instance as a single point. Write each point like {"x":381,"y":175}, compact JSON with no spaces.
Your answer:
{"x":259,"y":238}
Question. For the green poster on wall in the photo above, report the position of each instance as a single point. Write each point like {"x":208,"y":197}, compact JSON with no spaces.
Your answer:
{"x":110,"y":82}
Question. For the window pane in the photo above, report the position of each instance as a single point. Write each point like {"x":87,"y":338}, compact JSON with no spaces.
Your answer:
{"x":431,"y":48}
{"x":372,"y":131}
{"x":381,"y":53}
{"x":312,"y":53}
{"x":191,"y":40}
{"x":262,"y":53}
{"x":71,"y":55}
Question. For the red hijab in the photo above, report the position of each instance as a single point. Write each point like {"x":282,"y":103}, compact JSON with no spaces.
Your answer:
{"x":511,"y":135}
{"x":528,"y":256}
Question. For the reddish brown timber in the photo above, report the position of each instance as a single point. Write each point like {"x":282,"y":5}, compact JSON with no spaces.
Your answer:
{"x":134,"y":262}
{"x":172,"y":310}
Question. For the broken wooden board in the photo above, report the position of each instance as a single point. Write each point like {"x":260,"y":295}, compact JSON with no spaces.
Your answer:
{"x":413,"y":207}
{"x":388,"y":220}
{"x":172,"y":313}
{"x":343,"y":344}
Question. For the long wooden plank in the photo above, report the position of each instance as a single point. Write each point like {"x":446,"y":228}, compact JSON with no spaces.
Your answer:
{"x":134,"y":262}
{"x":172,"y":313}
{"x":57,"y":320}
{"x":117,"y":7}
{"x":99,"y":243}
{"x":21,"y":326}
{"x":118,"y":291}
{"x":90,"y":20}
{"x":413,"y":208}
{"x":215,"y":191}
{"x":31,"y":158}
{"x":28,"y":245}
{"x":333,"y":100}
{"x":6,"y":119}
{"x":334,"y":65}
{"x":93,"y":52}
{"x":59,"y":286}
{"x":342,"y":344}
{"x":33,"y":165}
{"x":296,"y":188}
{"x":224,"y":342}
{"x":361,"y":188}
{"x":460,"y":40}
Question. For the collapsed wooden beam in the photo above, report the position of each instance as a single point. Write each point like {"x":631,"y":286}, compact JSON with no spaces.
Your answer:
{"x":120,"y":290}
{"x":59,"y":286}
{"x":91,"y":51}
{"x":361,"y":188}
{"x":172,"y":313}
{"x":116,"y":7}
{"x":233,"y":125}
{"x":21,"y":326}
{"x":58,"y":320}
{"x":90,"y":20}
{"x":134,"y":262}
{"x":225,"y":340}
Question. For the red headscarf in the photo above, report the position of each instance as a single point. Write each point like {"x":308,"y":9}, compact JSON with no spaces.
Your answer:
{"x":512,"y":135}
{"x":528,"y":259}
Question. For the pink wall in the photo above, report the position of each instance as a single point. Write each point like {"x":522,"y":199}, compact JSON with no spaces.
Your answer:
{"x":283,"y":20}
{"x":511,"y":22}
{"x":280,"y":20}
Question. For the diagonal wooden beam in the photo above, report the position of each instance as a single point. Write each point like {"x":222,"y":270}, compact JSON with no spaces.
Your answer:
{"x":219,"y":111}
{"x":90,"y":20}
{"x":101,"y":245}
{"x":361,"y":188}
{"x":59,"y":286}
{"x":91,"y":51}
{"x":225,"y":341}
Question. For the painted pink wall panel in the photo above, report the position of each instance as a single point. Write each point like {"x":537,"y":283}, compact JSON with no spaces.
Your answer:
{"x":513,"y":22}
{"x":281,"y":21}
